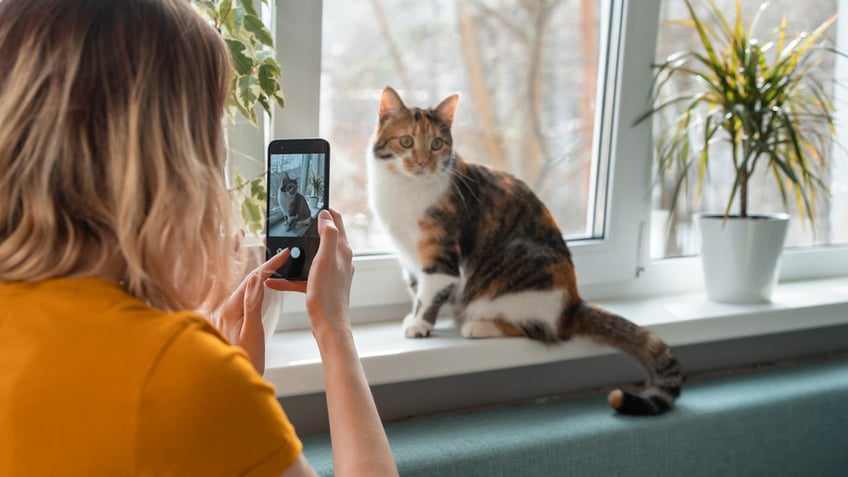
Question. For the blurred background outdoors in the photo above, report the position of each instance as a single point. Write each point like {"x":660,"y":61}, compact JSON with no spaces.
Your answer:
{"x":528,"y":75}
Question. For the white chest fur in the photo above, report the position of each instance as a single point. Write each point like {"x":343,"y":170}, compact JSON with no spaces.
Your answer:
{"x":399,"y":202}
{"x":285,"y":201}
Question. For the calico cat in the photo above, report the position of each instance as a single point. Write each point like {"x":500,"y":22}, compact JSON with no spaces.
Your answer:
{"x":296,"y":211}
{"x":481,"y":242}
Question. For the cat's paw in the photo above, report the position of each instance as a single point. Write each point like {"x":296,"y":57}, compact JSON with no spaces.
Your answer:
{"x":415,"y":327}
{"x":480,"y":329}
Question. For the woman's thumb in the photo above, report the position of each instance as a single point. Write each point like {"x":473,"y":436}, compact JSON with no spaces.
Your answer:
{"x":327,"y":230}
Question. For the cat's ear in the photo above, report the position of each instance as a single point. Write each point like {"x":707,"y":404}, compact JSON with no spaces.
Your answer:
{"x":447,"y":108}
{"x":390,"y":103}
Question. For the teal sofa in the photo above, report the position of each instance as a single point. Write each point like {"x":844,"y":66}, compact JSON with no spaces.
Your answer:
{"x":791,"y":421}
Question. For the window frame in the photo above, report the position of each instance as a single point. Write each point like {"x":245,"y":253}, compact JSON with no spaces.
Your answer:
{"x":400,"y":370}
{"x":618,"y":264}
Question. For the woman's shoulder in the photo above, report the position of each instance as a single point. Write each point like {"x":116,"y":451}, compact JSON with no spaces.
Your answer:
{"x":90,"y":316}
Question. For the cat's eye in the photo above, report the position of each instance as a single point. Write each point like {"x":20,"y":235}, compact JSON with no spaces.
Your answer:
{"x":436,"y":143}
{"x":406,"y":141}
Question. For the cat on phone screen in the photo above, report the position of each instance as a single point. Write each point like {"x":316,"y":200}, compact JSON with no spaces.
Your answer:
{"x":480,"y":242}
{"x":296,"y":211}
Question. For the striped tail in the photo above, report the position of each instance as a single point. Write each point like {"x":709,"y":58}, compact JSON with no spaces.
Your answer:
{"x":664,"y":376}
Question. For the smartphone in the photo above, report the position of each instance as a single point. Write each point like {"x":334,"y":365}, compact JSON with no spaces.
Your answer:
{"x":298,"y":178}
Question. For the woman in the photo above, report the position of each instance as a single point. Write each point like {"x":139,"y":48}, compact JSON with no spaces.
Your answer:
{"x":113,"y":220}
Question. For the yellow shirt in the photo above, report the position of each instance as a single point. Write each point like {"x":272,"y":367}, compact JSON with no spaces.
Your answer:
{"x":94,"y":382}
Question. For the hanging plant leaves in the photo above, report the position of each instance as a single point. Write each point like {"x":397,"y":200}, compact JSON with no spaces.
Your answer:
{"x":256,"y":81}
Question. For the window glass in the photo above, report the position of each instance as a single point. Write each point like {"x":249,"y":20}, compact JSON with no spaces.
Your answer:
{"x":674,"y":234}
{"x":527,"y":75}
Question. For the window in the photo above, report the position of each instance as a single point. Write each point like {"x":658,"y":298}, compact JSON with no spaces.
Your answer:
{"x":527,"y":105}
{"x":337,"y":56}
{"x":610,"y":244}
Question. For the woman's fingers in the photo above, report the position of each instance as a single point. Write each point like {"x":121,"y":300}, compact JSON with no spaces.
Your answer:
{"x":232,"y":306}
{"x":252,"y":335}
{"x":331,"y":230}
{"x":254,"y":293}
{"x":281,"y":284}
{"x":337,"y":219}
{"x":342,"y":246}
{"x":328,"y":231}
{"x":272,"y":264}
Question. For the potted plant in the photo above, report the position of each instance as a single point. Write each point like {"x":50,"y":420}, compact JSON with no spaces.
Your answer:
{"x":760,"y":98}
{"x":315,"y":186}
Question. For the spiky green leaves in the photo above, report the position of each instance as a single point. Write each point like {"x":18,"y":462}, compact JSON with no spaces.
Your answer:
{"x":763,"y":96}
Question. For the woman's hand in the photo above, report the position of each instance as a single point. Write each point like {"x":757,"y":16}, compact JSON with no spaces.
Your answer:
{"x":328,"y":286}
{"x":239,"y":318}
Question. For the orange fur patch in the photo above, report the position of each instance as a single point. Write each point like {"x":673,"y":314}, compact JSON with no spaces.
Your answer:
{"x":615,"y":398}
{"x":547,"y":219}
{"x":507,"y":328}
{"x":429,"y":246}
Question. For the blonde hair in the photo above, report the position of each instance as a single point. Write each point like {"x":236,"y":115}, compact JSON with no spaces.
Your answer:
{"x":112,"y":147}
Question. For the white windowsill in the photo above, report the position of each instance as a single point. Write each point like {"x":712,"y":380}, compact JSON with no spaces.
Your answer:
{"x":293,"y":364}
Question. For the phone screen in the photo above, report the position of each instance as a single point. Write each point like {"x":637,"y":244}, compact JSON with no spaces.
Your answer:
{"x":298,"y":176}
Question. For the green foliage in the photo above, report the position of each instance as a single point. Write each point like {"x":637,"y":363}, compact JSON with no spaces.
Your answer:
{"x":250,"y":202}
{"x":257,"y":73}
{"x":316,"y":185}
{"x":762,"y":96}
{"x":255,"y":82}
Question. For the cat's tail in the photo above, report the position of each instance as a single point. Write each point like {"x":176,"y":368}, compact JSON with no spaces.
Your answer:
{"x":664,"y":376}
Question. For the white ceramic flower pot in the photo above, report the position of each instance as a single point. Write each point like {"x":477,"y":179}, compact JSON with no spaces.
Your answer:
{"x":272,"y":310}
{"x":741,"y":256}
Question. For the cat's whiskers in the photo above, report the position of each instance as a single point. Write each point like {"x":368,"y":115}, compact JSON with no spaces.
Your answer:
{"x":464,"y":179}
{"x":461,"y":197}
